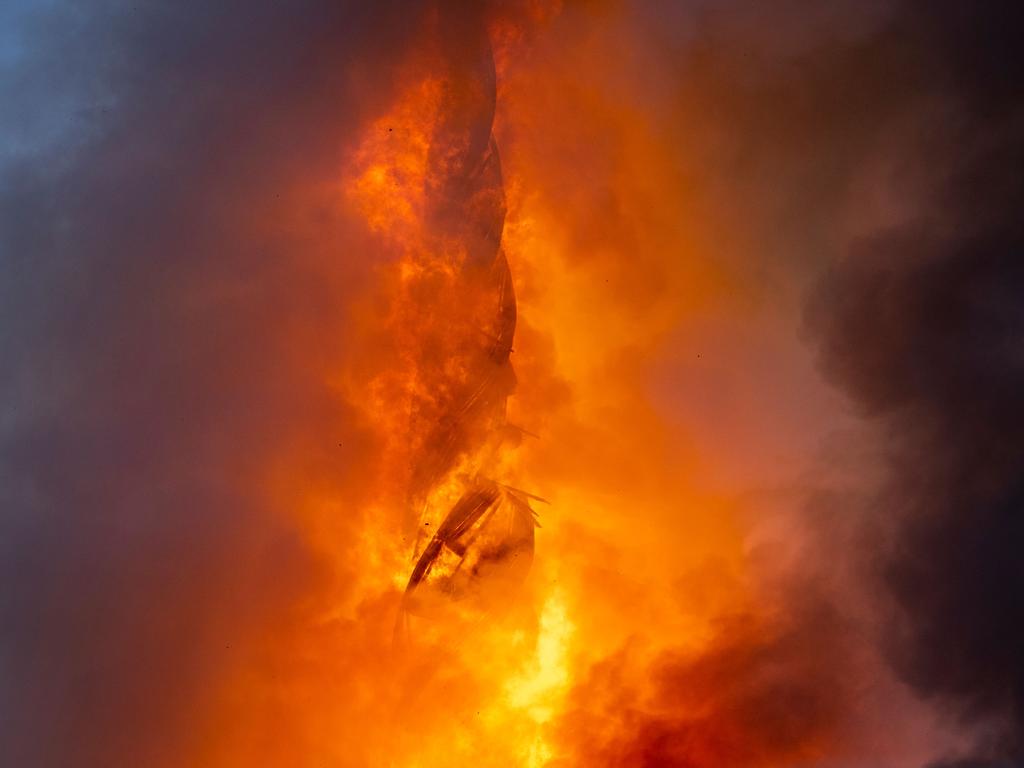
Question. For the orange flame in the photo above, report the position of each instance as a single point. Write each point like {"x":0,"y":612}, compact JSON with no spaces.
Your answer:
{"x":628,"y":621}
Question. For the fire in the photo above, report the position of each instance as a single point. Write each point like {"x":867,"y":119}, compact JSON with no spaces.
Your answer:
{"x":539,"y":688}
{"x":387,"y":181}
{"x":447,"y":645}
{"x":547,"y":673}
{"x":522,"y":648}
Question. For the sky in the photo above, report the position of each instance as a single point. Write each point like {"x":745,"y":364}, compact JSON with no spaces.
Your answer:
{"x":767,"y":270}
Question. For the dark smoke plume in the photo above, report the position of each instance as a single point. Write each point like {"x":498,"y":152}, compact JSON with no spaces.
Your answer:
{"x":924,"y":327}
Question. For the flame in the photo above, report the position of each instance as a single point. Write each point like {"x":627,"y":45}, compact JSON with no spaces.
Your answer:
{"x":641,"y":568}
{"x":601,"y":458}
{"x":540,"y":686}
{"x":387,"y":181}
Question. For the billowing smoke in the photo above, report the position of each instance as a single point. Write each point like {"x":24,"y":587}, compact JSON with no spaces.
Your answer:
{"x":922,"y":324}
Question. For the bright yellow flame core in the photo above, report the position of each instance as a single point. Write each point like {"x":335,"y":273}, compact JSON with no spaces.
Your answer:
{"x":539,"y":687}
{"x":536,"y":688}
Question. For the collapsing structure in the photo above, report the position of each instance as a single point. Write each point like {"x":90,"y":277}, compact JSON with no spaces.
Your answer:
{"x":475,"y":535}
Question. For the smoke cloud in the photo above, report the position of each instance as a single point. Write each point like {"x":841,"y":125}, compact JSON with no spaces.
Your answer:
{"x":921,"y":325}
